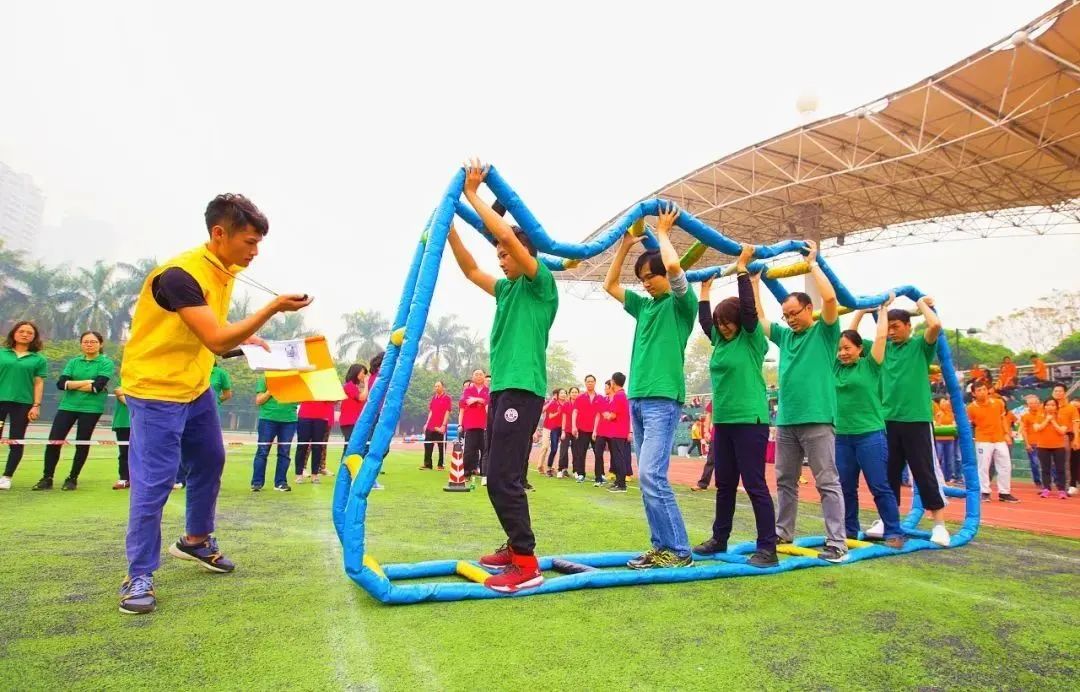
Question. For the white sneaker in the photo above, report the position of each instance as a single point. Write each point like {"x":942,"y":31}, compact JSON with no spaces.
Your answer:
{"x":561,"y":474}
{"x":940,"y":535}
{"x":876,"y":530}
{"x":483,"y":480}
{"x":299,"y":480}
{"x":1072,"y":490}
{"x":177,"y":486}
{"x":5,"y":483}
{"x":377,"y":486}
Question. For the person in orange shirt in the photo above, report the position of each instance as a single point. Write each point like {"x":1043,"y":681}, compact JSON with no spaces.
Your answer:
{"x":992,"y":440}
{"x":1007,"y":374}
{"x":1033,"y":415}
{"x":1040,"y":373}
{"x":1052,"y":444}
{"x":977,"y":373}
{"x":1069,"y":416}
{"x":945,"y":445}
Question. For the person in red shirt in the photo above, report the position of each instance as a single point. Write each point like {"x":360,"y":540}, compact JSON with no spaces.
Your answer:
{"x":355,"y":398}
{"x":567,"y":438}
{"x":707,"y":471}
{"x":618,"y":420}
{"x":601,"y":435}
{"x":581,"y":427}
{"x":473,"y":405}
{"x":314,"y":419}
{"x":435,"y":426}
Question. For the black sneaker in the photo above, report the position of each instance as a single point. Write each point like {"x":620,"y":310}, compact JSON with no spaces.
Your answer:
{"x":833,"y":554}
{"x":284,"y":487}
{"x":615,"y":488}
{"x":206,"y":554}
{"x":529,"y":487}
{"x":1007,"y":497}
{"x":600,"y":483}
{"x":763,"y":559}
{"x":710,"y":547}
{"x":137,"y":595}
{"x":70,"y":484}
{"x":43,"y":484}
{"x":256,"y":488}
{"x":986,"y":497}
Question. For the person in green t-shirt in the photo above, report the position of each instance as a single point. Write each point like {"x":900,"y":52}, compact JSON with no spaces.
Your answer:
{"x":657,"y":388}
{"x":85,"y":383}
{"x":221,"y":383}
{"x":121,"y":425}
{"x":277,"y":421}
{"x":525,"y":305}
{"x":807,"y":413}
{"x":740,"y":414}
{"x":909,"y":415}
{"x":22,"y":383}
{"x":860,"y":429}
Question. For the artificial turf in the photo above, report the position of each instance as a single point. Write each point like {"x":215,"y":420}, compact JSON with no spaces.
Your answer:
{"x":1001,"y":612}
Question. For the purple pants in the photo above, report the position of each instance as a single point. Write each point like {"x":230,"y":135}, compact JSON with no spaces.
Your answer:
{"x":162,"y":434}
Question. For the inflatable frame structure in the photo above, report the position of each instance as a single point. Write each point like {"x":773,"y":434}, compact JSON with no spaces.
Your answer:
{"x":371,"y":438}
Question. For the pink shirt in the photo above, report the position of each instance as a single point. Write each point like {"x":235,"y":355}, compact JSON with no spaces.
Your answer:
{"x":437,"y":410}
{"x":602,"y":406}
{"x":352,"y":406}
{"x":553,"y":407}
{"x":474,"y":416}
{"x":620,"y":406}
{"x":314,"y":410}
{"x":586,"y":411}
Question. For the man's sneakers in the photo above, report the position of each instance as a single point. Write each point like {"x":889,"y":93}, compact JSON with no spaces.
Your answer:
{"x":43,"y":484}
{"x":833,"y":554}
{"x":561,"y":474}
{"x":529,"y":486}
{"x":256,"y":488}
{"x":283,"y":487}
{"x":580,"y":478}
{"x":876,"y":530}
{"x":1008,"y":497}
{"x":697,"y":487}
{"x":659,"y":559}
{"x":205,"y":553}
{"x":710,"y":547}
{"x":616,"y":488}
{"x":986,"y":497}
{"x":5,"y":483}
{"x":600,"y":483}
{"x":763,"y":559}
{"x":523,"y":572}
{"x":70,"y":484}
{"x":500,"y":559}
{"x":121,"y":485}
{"x":137,"y":595}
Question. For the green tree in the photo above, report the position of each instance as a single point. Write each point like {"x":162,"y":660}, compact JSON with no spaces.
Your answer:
{"x":363,"y":336}
{"x":239,"y":308}
{"x":441,"y":342}
{"x":471,"y":354}
{"x":1068,"y":349}
{"x":1041,"y":326}
{"x":285,"y":326}
{"x":128,"y":287}
{"x":98,"y":300}
{"x":696,"y":369}
{"x":560,"y":367}
{"x":43,"y":294}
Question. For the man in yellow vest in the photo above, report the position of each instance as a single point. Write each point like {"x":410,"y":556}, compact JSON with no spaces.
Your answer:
{"x":178,"y":327}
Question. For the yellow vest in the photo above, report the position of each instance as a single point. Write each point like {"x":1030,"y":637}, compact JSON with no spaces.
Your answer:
{"x":163,"y":359}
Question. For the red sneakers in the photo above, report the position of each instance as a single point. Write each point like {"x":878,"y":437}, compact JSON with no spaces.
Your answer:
{"x":500,"y":559}
{"x":522,"y":573}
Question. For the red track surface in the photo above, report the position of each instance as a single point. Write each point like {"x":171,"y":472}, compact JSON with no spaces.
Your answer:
{"x":1033,"y":513}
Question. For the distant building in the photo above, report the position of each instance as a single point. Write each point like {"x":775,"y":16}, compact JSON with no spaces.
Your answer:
{"x":22,"y":206}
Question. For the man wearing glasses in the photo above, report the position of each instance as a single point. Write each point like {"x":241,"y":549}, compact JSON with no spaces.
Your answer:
{"x":807,"y":408}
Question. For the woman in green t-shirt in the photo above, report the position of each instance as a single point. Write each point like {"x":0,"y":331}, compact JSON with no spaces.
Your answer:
{"x":22,"y":378}
{"x":121,"y":425}
{"x":85,"y":382}
{"x":860,"y":428}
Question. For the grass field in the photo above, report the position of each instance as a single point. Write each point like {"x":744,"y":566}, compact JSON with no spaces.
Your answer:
{"x":999,"y":613}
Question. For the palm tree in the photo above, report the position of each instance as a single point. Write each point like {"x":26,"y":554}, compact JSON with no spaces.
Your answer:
{"x":42,"y":294}
{"x":97,"y":301}
{"x":472,"y":354}
{"x":127,"y":293}
{"x":239,"y":308}
{"x":363,"y":333}
{"x":441,"y":341}
{"x":284,"y":327}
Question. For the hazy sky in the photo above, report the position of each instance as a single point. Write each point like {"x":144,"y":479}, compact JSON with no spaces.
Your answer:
{"x":344,"y":122}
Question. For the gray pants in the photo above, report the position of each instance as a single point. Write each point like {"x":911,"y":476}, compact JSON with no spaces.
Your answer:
{"x":817,"y":443}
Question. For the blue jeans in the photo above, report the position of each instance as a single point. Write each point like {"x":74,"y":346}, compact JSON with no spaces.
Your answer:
{"x":164,"y":434}
{"x":868,"y":453}
{"x":268,"y":431}
{"x":947,"y":460}
{"x":654,"y":421}
{"x":1036,"y":472}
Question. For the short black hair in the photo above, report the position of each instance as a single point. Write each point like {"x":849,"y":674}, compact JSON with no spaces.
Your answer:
{"x":354,"y":372}
{"x":376,"y":362}
{"x":853,"y":336}
{"x":980,"y":384}
{"x":619,"y":379}
{"x":97,"y":335}
{"x":803,"y":298}
{"x":899,"y":316}
{"x":235,"y":212}
{"x":592,"y":376}
{"x":727,"y":311}
{"x":524,"y":239}
{"x":654,"y":261}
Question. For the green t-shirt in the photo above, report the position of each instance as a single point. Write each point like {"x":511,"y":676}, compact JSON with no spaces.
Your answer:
{"x":858,"y":397}
{"x":121,"y":418}
{"x":807,"y":392}
{"x":738,"y":386}
{"x":524,"y":311}
{"x":219,"y":381}
{"x":273,"y":410}
{"x":82,"y":369}
{"x":906,"y":381}
{"x":17,"y":375}
{"x":663,"y":327}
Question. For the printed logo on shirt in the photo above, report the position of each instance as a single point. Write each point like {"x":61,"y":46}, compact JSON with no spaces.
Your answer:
{"x":511,"y":415}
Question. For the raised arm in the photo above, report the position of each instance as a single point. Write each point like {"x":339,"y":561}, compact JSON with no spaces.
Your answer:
{"x":766,"y":326}
{"x":468,"y":265}
{"x":933,"y":322}
{"x":877,"y":351}
{"x":475,"y":173}
{"x":666,"y":219}
{"x":611,"y":280}
{"x":748,"y":316}
{"x":705,"y":308}
{"x":829,"y":304}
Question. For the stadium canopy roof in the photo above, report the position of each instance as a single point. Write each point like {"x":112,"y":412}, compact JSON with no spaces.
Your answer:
{"x":984,"y":147}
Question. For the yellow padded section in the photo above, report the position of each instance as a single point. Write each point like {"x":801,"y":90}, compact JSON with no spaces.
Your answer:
{"x":471,"y":572}
{"x":372,"y":564}
{"x":570,"y":263}
{"x":353,"y":462}
{"x":788,"y":549}
{"x":852,"y":543}
{"x":788,"y":270}
{"x":637,"y":228}
{"x":397,"y":337}
{"x":692,"y":255}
